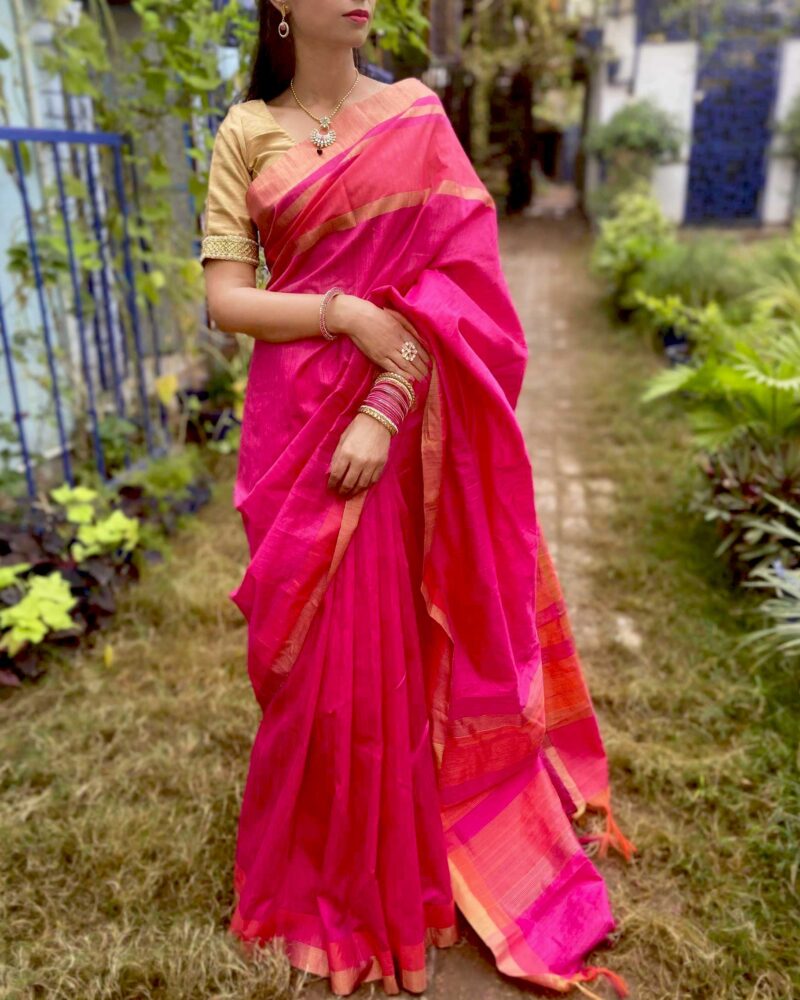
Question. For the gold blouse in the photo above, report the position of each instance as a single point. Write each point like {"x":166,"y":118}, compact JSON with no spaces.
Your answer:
{"x":248,"y":137}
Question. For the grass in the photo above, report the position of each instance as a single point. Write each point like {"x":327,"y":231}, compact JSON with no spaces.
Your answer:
{"x":703,"y":745}
{"x":120,"y":785}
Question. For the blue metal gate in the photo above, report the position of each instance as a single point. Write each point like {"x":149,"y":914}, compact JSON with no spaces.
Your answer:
{"x":75,"y":214}
{"x":736,"y":85}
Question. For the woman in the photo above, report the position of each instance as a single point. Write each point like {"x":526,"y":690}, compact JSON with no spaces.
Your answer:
{"x":426,"y":735}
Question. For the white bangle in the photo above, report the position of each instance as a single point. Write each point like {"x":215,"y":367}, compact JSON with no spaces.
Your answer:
{"x":326,"y":333}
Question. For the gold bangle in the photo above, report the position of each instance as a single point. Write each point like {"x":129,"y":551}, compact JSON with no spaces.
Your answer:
{"x":380,"y":417}
{"x":399,"y":376}
{"x":395,"y":377}
{"x":389,"y":377}
{"x":408,"y":393}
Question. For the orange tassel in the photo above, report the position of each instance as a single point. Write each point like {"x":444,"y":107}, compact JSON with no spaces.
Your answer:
{"x":595,"y":971}
{"x":612,"y":836}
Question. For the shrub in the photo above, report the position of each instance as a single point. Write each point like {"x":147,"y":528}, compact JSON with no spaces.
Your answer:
{"x":44,"y":608}
{"x":699,"y":270}
{"x":628,"y":241}
{"x":641,"y":127}
{"x":681,"y":328}
{"x":742,"y":396}
{"x":743,"y":492}
{"x":65,"y":555}
{"x":746,"y":385}
{"x":776,"y":277}
{"x":782,"y":635}
{"x":629,"y":145}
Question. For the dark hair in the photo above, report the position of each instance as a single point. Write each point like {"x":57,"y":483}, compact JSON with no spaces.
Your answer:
{"x":273,"y":61}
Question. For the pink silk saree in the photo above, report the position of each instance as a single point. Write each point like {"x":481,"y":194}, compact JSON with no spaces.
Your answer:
{"x":427,"y":737}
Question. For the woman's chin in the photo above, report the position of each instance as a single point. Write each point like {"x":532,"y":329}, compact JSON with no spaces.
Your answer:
{"x":356,"y":29}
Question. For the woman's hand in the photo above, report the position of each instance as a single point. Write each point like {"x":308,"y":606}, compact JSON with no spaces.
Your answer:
{"x":360,"y":455}
{"x":378,"y":333}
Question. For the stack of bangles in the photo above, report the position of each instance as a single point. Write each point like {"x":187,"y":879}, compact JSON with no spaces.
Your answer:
{"x":389,"y":400}
{"x":392,"y":394}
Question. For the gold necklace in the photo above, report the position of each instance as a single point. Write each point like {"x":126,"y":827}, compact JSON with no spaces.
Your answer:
{"x":324,"y":135}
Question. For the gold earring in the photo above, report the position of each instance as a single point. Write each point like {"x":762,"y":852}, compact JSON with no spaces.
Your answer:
{"x":283,"y":27}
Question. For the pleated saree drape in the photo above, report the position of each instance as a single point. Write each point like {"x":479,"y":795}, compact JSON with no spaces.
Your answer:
{"x":427,"y":736}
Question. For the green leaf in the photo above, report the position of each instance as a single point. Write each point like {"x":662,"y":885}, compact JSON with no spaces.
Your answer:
{"x":44,"y":608}
{"x":203,"y":83}
{"x":669,"y":381}
{"x":73,"y":494}
{"x":9,"y":574}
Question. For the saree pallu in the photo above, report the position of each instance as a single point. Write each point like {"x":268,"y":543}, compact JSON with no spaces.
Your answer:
{"x":427,"y":737}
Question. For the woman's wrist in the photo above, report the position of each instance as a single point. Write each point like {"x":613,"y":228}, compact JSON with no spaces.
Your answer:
{"x":374,"y":422}
{"x":339,"y":313}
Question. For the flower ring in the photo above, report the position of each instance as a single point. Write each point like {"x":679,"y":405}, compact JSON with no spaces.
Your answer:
{"x":409,"y":350}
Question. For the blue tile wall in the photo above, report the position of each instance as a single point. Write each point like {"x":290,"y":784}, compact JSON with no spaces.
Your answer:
{"x":737,"y":82}
{"x":675,"y":23}
{"x":736,"y":85}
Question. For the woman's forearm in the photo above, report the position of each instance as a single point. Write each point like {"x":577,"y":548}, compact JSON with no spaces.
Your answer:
{"x":267,"y":315}
{"x":380,"y":333}
{"x":275,"y":316}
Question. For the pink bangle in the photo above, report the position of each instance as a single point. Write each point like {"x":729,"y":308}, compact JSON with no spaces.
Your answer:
{"x":388,"y":399}
{"x":392,"y":394}
{"x":388,"y":405}
{"x":326,"y":333}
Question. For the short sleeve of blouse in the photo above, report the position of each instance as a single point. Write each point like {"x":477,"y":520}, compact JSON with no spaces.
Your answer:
{"x":229,"y":233}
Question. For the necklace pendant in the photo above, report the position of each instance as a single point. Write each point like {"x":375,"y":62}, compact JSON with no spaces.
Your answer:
{"x":323,"y":136}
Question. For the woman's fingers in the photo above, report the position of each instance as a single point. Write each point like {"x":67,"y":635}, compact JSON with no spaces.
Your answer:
{"x":335,"y":475}
{"x":407,"y":325}
{"x":396,"y":362}
{"x":421,"y":359}
{"x":352,"y":476}
{"x":342,"y":477}
{"x":337,"y":468}
{"x":389,"y":357}
{"x":414,"y":369}
{"x":423,"y":353}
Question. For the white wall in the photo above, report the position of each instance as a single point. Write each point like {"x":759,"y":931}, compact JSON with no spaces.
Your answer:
{"x":619,"y":42}
{"x":605,"y":99}
{"x":30,"y":96}
{"x":778,"y":194}
{"x":619,"y":38}
{"x":666,"y":74}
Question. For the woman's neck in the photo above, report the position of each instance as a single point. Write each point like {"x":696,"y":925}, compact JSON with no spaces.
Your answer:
{"x":320,"y":85}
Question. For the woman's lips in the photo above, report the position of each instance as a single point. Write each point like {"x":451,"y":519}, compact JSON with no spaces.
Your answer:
{"x":358,"y":17}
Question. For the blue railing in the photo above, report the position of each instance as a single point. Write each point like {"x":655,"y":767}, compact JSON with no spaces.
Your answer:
{"x":102,"y":324}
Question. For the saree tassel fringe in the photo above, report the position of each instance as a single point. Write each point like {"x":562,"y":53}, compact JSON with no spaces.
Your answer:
{"x":611,"y":837}
{"x":594,"y":972}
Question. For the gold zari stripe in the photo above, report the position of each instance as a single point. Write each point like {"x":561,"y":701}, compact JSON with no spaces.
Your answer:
{"x":229,"y":248}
